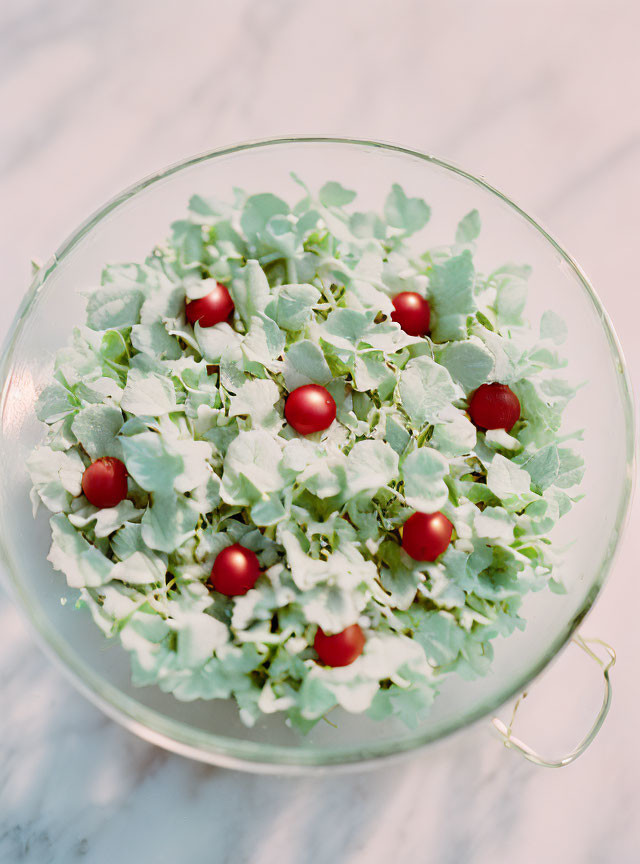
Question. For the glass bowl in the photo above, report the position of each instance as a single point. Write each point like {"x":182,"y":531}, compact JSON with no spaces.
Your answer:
{"x":126,"y":229}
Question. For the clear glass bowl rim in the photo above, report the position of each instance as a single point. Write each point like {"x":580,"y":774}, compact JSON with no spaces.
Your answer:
{"x":248,"y":755}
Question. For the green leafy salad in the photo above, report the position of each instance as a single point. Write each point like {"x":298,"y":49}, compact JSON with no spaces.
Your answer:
{"x":242,"y":541}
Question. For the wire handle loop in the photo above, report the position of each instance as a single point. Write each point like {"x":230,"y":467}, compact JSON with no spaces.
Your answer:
{"x":511,"y":742}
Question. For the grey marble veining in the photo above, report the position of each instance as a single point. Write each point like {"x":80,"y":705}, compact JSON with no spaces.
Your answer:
{"x":538,"y":97}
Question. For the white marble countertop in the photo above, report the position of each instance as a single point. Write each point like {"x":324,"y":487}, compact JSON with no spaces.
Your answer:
{"x":541,"y":98}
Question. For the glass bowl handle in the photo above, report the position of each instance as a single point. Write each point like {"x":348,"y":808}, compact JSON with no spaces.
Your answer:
{"x":509,"y":739}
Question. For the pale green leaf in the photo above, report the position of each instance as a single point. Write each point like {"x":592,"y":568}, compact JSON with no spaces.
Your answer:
{"x":251,"y":468}
{"x":553,"y":327}
{"x":56,"y":476}
{"x":470,"y":363}
{"x":96,"y":427}
{"x":304,"y":363}
{"x":55,"y":402}
{"x":506,"y":479}
{"x":454,"y":434}
{"x":409,"y":214}
{"x":148,"y":394}
{"x":154,"y":339}
{"x":334,"y":195}
{"x":251,"y":292}
{"x":149,"y":462}
{"x":82,"y":563}
{"x":292,"y":305}
{"x":425,"y":390}
{"x":258,"y":210}
{"x":264,"y":343}
{"x":256,"y":399}
{"x":110,"y":306}
{"x":424,"y":487}
{"x":169,"y":522}
{"x":468,"y":228}
{"x":494,"y":523}
{"x":105,"y":520}
{"x":141,"y":568}
{"x":451,"y":297}
{"x":543,"y":467}
{"x":370,"y":465}
{"x":214,"y":341}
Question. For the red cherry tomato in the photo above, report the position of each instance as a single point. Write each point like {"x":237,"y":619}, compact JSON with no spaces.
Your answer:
{"x":235,"y":570}
{"x":426,"y":535}
{"x":412,"y":312}
{"x":494,"y":406}
{"x":310,"y":409}
{"x":215,"y":307}
{"x":104,"y":482}
{"x":340,"y":649}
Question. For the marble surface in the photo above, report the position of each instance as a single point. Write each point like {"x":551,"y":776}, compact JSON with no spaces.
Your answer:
{"x":539,"y":97}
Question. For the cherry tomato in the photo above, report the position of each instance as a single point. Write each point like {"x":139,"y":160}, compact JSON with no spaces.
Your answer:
{"x":340,"y":649}
{"x":104,"y":482}
{"x":215,"y":307}
{"x":412,"y":312}
{"x":494,"y":406}
{"x":426,"y":535}
{"x":310,"y":409}
{"x":235,"y":570}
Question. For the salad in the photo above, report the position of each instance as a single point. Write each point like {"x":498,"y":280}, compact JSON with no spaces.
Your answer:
{"x":300,"y":459}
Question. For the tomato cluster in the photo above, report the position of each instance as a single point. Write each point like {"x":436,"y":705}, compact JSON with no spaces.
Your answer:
{"x":309,"y":409}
